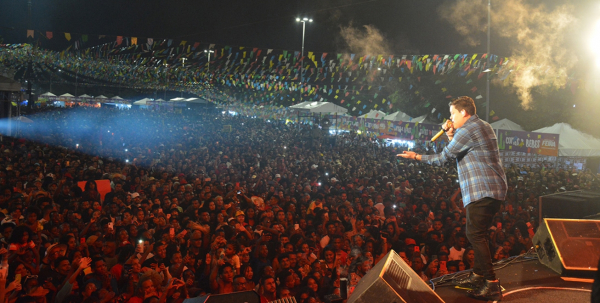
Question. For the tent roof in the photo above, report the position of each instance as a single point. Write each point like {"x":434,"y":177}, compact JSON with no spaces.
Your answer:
{"x":67,"y":95}
{"x":159,"y":100}
{"x":85,"y":96}
{"x":419,"y":119}
{"x":506,"y":124}
{"x":101,"y":97}
{"x":141,"y":102}
{"x":374,"y":114}
{"x":177,"y":99}
{"x":301,"y":104}
{"x":116,"y":98}
{"x":319,"y":107}
{"x":47,"y":94}
{"x":8,"y":84}
{"x":572,"y":142}
{"x":398,"y":116}
{"x":196,"y":100}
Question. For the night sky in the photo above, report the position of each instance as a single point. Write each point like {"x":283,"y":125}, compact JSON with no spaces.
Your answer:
{"x":409,"y":27}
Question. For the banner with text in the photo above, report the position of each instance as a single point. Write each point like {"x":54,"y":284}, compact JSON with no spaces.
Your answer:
{"x":528,"y":142}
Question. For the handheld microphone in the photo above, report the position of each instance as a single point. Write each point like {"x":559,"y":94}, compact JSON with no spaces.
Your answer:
{"x":439,"y":134}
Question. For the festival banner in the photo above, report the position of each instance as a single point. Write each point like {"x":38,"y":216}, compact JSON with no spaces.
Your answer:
{"x":528,"y":142}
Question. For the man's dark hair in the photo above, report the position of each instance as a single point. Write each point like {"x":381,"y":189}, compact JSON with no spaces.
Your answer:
{"x":60,"y":259}
{"x":237,"y":277}
{"x":283,"y":256}
{"x":465,"y":103}
{"x":264,"y":278}
{"x":222,"y":268}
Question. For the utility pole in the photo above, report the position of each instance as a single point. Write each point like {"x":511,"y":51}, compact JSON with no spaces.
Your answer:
{"x":487,"y":90}
{"x":29,"y":67}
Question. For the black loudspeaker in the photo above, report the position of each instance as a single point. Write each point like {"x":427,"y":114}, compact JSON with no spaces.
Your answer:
{"x":392,"y":281}
{"x":570,"y":205}
{"x":241,"y":297}
{"x":569,"y":247}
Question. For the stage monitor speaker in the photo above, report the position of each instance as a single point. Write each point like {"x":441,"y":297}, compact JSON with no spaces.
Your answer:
{"x":569,"y":247}
{"x":242,"y":297}
{"x":570,"y":205}
{"x":392,"y":281}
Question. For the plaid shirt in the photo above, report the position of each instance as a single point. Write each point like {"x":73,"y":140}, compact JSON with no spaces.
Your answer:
{"x":480,"y":171}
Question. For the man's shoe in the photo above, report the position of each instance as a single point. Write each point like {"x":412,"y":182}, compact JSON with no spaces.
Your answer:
{"x":473,"y":281}
{"x":490,"y":291}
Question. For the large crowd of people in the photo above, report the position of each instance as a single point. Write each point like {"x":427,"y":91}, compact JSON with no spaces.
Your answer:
{"x":107,"y":205}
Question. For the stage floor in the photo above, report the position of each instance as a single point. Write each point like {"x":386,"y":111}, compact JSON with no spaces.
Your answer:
{"x":528,"y":281}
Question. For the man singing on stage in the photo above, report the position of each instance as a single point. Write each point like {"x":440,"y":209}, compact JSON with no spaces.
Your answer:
{"x":473,"y":145}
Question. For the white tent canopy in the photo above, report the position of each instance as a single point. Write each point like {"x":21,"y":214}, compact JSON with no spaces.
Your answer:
{"x":573,"y":143}
{"x":374,"y":114}
{"x":116,"y":98}
{"x":419,"y":119}
{"x":398,"y":116}
{"x":142,"y":101}
{"x":47,"y":94}
{"x":507,"y":125}
{"x":301,"y":105}
{"x":319,"y":107}
{"x":177,"y":99}
{"x":85,"y":96}
{"x":67,"y":95}
{"x":101,"y":97}
{"x":159,"y":100}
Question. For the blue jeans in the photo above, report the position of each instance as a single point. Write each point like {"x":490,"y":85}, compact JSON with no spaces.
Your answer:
{"x":480,"y":215}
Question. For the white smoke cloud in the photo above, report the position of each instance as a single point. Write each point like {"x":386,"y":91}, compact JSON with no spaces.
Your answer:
{"x":368,"y":41}
{"x":538,"y":33}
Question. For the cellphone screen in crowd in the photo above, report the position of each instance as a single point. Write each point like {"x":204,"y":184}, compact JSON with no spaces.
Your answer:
{"x":443,"y":265}
{"x":18,"y":278}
